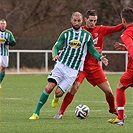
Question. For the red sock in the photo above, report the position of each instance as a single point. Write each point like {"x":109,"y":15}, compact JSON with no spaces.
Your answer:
{"x":110,"y":100}
{"x":67,"y":100}
{"x":121,"y":100}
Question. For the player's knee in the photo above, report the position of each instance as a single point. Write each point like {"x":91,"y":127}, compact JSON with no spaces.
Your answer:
{"x":109,"y":93}
{"x":50,"y":86}
{"x":3,"y":70}
{"x":120,"y":86}
{"x":59,"y":93}
{"x":74,"y":89}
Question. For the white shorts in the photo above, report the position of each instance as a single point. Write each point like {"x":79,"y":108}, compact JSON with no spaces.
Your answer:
{"x":4,"y":60}
{"x":64,"y":76}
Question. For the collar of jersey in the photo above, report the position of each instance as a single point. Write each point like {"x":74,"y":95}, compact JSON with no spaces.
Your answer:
{"x":77,"y":31}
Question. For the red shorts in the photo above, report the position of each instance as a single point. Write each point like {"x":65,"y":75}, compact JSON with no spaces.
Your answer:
{"x":127,"y":79}
{"x":94,"y":76}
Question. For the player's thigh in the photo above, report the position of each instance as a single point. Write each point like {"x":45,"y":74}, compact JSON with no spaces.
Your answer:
{"x":68,"y":80}
{"x":5,"y":61}
{"x":81,"y":76}
{"x":0,"y":62}
{"x":56,"y":74}
{"x":96,"y":77}
{"x":78,"y":81}
{"x":126,"y":79}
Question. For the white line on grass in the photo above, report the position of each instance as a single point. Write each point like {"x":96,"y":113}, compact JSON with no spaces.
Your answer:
{"x":76,"y":101}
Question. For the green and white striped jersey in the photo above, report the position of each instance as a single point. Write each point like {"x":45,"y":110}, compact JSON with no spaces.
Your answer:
{"x":4,"y":48}
{"x":75,"y":47}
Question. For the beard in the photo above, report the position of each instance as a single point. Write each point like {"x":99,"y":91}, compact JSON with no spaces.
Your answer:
{"x":76,"y":27}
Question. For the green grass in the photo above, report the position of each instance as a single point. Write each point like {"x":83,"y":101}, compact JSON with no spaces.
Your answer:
{"x":19,"y":96}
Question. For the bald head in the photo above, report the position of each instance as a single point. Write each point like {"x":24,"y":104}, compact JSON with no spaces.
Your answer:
{"x":77,"y":14}
{"x":76,"y":20}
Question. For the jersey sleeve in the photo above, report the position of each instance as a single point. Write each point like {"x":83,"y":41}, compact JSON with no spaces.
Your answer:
{"x":12,"y":39}
{"x":59,"y":43}
{"x":111,"y":29}
{"x":128,"y":41}
{"x":92,"y":50}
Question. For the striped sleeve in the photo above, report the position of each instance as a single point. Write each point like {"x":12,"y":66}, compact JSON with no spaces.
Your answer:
{"x":57,"y":46}
{"x":93,"y":51}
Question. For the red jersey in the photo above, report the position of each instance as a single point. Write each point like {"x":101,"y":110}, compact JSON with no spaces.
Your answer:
{"x":127,"y":38}
{"x":98,"y":33}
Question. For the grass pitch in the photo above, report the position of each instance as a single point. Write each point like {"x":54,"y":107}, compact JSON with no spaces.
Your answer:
{"x":19,"y":96}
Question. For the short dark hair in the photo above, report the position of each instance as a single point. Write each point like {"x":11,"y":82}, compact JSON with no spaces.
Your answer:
{"x":90,"y":13}
{"x":127,"y":14}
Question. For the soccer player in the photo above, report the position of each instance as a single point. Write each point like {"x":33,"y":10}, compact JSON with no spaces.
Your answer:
{"x":126,"y":79}
{"x":75,"y":42}
{"x":92,"y":70}
{"x":6,"y":39}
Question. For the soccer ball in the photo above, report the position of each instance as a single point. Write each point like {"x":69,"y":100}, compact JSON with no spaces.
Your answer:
{"x":82,"y":111}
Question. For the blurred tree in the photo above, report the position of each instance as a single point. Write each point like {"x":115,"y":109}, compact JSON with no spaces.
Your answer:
{"x":35,"y":18}
{"x":36,"y":24}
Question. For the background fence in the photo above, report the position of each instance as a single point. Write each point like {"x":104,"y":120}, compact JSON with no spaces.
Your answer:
{"x":39,"y":61}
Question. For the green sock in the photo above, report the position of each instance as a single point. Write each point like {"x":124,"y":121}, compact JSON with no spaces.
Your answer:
{"x":41,"y":102}
{"x":2,"y":75}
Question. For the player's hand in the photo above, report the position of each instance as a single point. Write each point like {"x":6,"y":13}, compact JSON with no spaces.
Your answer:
{"x":104,"y":60}
{"x":7,"y":42}
{"x":119,"y":46}
{"x":56,"y":58}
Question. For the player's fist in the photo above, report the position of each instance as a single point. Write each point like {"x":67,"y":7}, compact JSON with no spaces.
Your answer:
{"x":55,"y":58}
